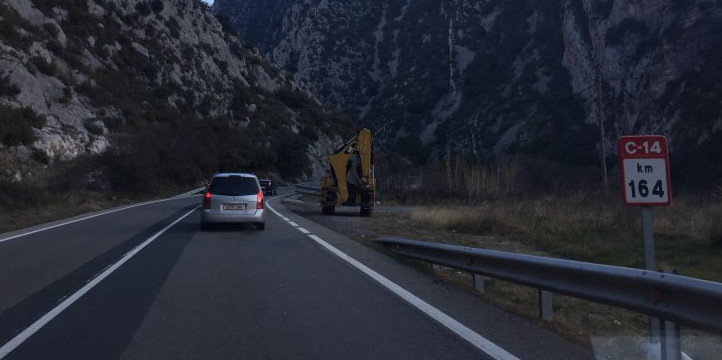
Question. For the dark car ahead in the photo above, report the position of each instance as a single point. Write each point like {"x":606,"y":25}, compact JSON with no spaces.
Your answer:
{"x":268,"y":186}
{"x":233,"y":198}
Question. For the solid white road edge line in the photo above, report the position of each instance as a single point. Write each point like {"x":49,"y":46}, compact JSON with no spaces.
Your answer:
{"x":91,"y":216}
{"x":458,"y":328}
{"x":192,"y":192}
{"x":37,"y":325}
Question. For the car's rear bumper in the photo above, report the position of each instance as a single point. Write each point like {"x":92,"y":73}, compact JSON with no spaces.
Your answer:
{"x":208,"y":217}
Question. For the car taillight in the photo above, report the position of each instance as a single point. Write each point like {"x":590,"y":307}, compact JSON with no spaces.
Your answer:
{"x":259,"y":199}
{"x":207,"y":201}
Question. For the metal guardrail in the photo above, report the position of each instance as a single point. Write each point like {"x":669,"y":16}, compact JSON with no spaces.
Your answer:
{"x":666,"y":296}
{"x":308,"y":188}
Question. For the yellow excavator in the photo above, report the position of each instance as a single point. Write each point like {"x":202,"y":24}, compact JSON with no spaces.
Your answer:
{"x":349,"y":179}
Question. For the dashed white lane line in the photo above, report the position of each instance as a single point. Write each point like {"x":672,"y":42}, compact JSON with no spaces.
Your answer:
{"x":32,"y":329}
{"x":303,"y":230}
{"x":478,"y":341}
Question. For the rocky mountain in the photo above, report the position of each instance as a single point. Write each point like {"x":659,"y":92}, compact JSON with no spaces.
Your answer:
{"x":557,"y":80}
{"x":153,"y":86}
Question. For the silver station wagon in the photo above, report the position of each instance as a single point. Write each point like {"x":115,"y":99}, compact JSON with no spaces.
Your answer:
{"x":233,"y":198}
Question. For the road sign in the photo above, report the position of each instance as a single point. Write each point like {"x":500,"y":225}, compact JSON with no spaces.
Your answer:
{"x":644,"y":169}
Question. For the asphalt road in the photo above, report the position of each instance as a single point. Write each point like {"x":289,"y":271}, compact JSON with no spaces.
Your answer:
{"x":231,"y":293}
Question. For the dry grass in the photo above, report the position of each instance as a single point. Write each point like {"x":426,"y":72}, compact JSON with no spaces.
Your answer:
{"x":478,"y":179}
{"x":576,"y":319}
{"x":611,"y":332}
{"x":577,"y":227}
{"x":35,"y":205}
{"x":687,"y":234}
{"x":55,"y":209}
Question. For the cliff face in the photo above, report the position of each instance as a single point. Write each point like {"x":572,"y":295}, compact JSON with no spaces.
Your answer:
{"x":487,"y":78}
{"x":81,"y":77}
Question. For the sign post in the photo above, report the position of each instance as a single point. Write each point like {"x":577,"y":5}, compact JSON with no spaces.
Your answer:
{"x":644,"y":170}
{"x":645,"y":182}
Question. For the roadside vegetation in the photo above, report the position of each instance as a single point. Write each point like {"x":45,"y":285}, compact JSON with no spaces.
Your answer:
{"x":65,"y":191}
{"x":145,"y":163}
{"x":580,"y":222}
{"x":514,"y":205}
{"x":592,"y":228}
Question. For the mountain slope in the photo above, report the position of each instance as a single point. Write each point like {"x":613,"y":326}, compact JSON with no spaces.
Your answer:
{"x":156,"y":88}
{"x":488,"y":78}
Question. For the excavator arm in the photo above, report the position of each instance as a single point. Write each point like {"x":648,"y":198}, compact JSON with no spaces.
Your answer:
{"x":355,"y":155}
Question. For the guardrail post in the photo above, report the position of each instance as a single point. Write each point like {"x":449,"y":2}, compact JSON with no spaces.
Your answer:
{"x":671,"y":348}
{"x":545,"y":305}
{"x":478,"y":283}
{"x":650,"y":263}
{"x":669,"y":339}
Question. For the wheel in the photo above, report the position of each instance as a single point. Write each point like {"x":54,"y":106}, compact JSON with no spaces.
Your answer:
{"x":261,"y":226}
{"x":365,"y":212}
{"x":328,"y":210}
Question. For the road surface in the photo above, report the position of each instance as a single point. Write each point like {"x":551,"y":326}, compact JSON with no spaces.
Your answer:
{"x":145,"y":283}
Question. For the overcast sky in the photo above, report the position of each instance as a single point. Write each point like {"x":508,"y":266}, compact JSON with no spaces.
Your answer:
{"x":209,"y":2}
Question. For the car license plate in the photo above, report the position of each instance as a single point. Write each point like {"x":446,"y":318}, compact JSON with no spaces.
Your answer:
{"x":234,"y":207}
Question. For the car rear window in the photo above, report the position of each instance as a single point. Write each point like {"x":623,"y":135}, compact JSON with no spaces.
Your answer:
{"x":233,"y":186}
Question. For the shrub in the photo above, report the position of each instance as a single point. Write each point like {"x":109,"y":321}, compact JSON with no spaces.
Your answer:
{"x":67,"y":95}
{"x":93,"y":126}
{"x":7,"y":88}
{"x":291,"y":155}
{"x":47,"y":68}
{"x":173,"y":27}
{"x":143,"y":8}
{"x":207,"y":48}
{"x":226,"y":24}
{"x":715,"y":233}
{"x":40,"y":156}
{"x":21,"y":195}
{"x":715,"y":238}
{"x":16,"y":125}
{"x":51,"y":29}
{"x":11,"y":28}
{"x":156,"y":6}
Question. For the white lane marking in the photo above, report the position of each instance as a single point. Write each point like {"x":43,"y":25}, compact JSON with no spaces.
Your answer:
{"x":478,"y":341}
{"x":32,"y":329}
{"x":87,"y":217}
{"x":303,"y":230}
{"x":469,"y":335}
{"x":292,"y":223}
